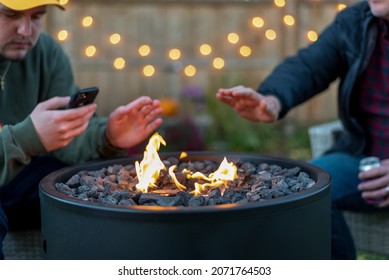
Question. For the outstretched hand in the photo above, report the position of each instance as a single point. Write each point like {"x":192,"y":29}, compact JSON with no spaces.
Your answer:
{"x":131,"y":124}
{"x":250,"y":104}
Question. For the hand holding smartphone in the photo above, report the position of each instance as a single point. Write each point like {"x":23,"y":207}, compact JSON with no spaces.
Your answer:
{"x":83,"y":97}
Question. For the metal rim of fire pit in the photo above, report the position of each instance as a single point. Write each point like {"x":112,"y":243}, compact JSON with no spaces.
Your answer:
{"x":321,"y":178}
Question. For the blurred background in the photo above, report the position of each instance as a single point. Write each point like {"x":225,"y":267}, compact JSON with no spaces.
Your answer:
{"x":182,"y":51}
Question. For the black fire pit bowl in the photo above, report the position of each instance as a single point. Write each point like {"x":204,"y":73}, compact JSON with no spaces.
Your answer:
{"x":295,"y":226}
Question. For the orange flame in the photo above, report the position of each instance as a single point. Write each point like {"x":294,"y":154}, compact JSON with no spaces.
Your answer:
{"x":174,"y":178}
{"x":148,"y":170}
{"x":227,"y":171}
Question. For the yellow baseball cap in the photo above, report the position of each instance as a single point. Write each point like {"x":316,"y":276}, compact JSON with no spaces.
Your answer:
{"x":20,"y":5}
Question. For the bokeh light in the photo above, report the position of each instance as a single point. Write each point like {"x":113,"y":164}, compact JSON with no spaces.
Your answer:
{"x":115,"y":38}
{"x":119,"y":63}
{"x":190,"y":70}
{"x":174,"y":54}
{"x":341,"y":6}
{"x":87,"y":21}
{"x":144,"y":50}
{"x":289,"y":20}
{"x":279,"y":3}
{"x":218,"y":63}
{"x":245,"y":51}
{"x":233,"y":38}
{"x":205,"y":49}
{"x":63,"y":35}
{"x":148,"y":70}
{"x":270,"y":34}
{"x":312,"y":36}
{"x":258,"y":22}
{"x":90,"y":51}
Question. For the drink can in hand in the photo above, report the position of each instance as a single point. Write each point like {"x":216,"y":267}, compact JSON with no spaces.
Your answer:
{"x":366,"y":164}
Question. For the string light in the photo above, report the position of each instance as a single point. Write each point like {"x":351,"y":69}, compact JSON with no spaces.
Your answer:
{"x":115,"y":38}
{"x":119,"y":63}
{"x":90,"y":51}
{"x":270,"y":34}
{"x":280,"y":3}
{"x":258,"y":22}
{"x":174,"y":54}
{"x":233,"y":38}
{"x":245,"y":51}
{"x":87,"y":21}
{"x":148,"y":70}
{"x":341,"y":7}
{"x":190,"y":70}
{"x":62,"y":35}
{"x":312,"y":36}
{"x":289,"y":20}
{"x":205,"y":49}
{"x":218,"y":63}
{"x":144,"y":50}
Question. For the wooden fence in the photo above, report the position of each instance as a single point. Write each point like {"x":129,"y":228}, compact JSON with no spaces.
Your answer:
{"x":185,"y":25}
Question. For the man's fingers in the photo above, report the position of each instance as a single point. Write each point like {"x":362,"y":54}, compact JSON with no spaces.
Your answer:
{"x":54,"y":103}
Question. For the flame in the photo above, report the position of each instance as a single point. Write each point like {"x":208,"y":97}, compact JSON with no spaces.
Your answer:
{"x":174,"y":178}
{"x":149,"y":168}
{"x":227,"y":171}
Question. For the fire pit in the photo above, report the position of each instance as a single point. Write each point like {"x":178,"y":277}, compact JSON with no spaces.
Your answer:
{"x":296,"y":226}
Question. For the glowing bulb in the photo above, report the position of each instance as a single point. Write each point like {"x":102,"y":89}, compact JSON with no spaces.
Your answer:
{"x":205,"y":49}
{"x":87,"y":21}
{"x":174,"y":54}
{"x":144,"y":50}
{"x":270,"y":34}
{"x":289,"y":20}
{"x":148,"y":70}
{"x":62,"y":35}
{"x":312,"y":36}
{"x":279,"y":3}
{"x":115,"y":38}
{"x":218,"y":63}
{"x":245,"y":51}
{"x":90,"y":51}
{"x":119,"y":63}
{"x":258,"y":22}
{"x":190,"y":70}
{"x":233,"y":38}
{"x":341,"y":7}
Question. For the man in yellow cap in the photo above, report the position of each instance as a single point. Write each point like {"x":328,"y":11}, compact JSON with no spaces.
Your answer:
{"x":36,"y":135}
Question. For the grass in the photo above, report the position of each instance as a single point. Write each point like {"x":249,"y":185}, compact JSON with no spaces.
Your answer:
{"x":370,"y":256}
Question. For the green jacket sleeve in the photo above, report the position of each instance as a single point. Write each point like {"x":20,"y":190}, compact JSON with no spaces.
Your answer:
{"x":18,"y":144}
{"x":91,"y":145}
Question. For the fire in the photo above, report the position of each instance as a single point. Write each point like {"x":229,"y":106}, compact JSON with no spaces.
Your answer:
{"x":174,"y":178}
{"x":148,"y":170}
{"x":227,"y":171}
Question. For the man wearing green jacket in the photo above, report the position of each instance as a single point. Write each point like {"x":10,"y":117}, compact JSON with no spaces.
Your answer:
{"x":37,"y":136}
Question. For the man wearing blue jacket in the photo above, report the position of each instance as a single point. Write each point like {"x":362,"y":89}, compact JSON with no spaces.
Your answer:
{"x":355,"y":49}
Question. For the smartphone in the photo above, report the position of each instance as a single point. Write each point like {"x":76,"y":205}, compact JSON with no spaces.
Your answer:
{"x":83,"y":97}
